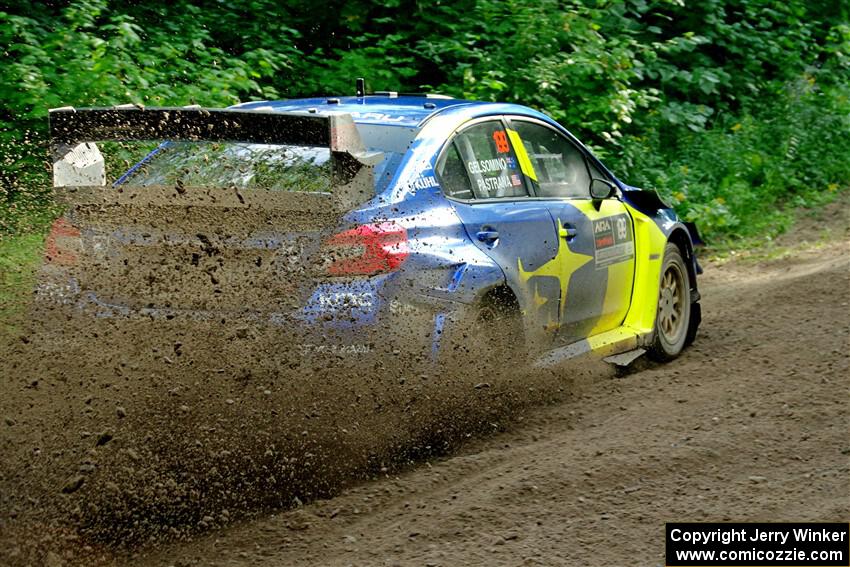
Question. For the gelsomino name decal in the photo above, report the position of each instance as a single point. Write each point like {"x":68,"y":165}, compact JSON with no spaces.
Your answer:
{"x":758,"y":545}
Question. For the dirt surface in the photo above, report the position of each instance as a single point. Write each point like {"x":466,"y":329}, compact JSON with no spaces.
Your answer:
{"x":751,"y":423}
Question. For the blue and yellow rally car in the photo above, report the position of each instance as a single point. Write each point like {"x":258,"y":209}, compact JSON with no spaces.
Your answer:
{"x":370,"y":224}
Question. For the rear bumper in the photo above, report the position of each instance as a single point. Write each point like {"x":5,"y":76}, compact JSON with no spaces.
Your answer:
{"x":351,"y":321}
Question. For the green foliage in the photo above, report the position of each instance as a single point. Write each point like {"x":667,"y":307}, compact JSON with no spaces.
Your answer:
{"x":744,"y":176}
{"x":88,"y":53}
{"x":734,"y":109}
{"x":19,"y":258}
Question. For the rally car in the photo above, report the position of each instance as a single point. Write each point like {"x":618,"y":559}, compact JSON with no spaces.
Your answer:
{"x":366,"y":224}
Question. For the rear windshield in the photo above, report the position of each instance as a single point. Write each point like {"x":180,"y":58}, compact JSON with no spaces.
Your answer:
{"x":262,"y":166}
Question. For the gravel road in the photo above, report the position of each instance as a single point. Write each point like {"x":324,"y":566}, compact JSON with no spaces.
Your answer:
{"x":750,"y":424}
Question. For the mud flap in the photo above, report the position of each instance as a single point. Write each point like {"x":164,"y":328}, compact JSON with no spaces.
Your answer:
{"x":625,"y":359}
{"x":693,"y":324}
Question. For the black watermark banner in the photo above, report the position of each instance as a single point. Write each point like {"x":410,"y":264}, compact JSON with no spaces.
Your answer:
{"x":758,"y":545}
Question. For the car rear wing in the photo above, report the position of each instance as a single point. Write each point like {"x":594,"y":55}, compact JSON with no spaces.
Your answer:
{"x":77,"y":161}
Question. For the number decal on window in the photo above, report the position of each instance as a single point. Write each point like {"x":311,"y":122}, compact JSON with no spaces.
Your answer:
{"x":501,"y":140}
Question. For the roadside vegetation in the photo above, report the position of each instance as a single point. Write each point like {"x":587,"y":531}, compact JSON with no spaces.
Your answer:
{"x":19,"y":258}
{"x":738,"y":112}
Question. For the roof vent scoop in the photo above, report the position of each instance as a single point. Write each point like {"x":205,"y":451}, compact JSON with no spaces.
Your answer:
{"x":360,"y":87}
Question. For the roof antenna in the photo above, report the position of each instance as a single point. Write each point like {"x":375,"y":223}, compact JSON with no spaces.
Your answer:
{"x":361,"y":87}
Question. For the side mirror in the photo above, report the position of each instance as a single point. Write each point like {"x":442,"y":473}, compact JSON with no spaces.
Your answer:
{"x":601,"y":188}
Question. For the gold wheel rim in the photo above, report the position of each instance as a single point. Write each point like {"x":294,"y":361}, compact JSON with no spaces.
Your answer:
{"x":671,"y":304}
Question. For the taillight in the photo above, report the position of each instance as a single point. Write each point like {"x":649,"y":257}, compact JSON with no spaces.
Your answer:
{"x":63,"y":244}
{"x":366,"y":250}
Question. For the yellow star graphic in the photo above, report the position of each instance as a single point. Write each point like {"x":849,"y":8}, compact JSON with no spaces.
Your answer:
{"x":562,"y":267}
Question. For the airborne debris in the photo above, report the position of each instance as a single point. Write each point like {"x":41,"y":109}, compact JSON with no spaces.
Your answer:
{"x":52,"y":559}
{"x":73,"y":484}
{"x":104,"y":438}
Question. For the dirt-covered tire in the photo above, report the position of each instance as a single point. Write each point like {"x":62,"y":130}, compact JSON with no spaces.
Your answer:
{"x":500,"y":325}
{"x":672,"y":321}
{"x":487,"y":337}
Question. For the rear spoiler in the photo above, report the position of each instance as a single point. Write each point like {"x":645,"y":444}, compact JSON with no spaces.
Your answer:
{"x":77,"y":161}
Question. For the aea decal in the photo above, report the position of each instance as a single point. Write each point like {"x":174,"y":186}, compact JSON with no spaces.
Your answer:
{"x":612,"y":240}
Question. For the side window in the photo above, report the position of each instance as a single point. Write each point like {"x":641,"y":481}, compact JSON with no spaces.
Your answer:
{"x":554,"y":165}
{"x":483,"y":152}
{"x":453,"y":177}
{"x":595,"y":173}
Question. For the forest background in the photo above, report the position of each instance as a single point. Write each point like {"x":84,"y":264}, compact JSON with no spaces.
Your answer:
{"x":737,"y":112}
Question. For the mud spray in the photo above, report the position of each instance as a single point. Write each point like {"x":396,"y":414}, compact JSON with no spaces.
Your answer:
{"x":127,"y":431}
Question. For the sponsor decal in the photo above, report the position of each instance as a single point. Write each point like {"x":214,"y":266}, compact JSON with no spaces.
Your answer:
{"x":612,"y":240}
{"x":511,"y":162}
{"x":378,"y":117}
{"x":425,"y":182}
{"x":490,"y":186}
{"x":422,"y":168}
{"x":346,"y":300}
{"x":399,"y":308}
{"x":515,"y":180}
{"x":487,"y":165}
{"x":334,"y":350}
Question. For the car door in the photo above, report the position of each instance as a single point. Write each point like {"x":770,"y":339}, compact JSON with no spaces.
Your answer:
{"x":596,"y":246}
{"x":479,"y":172}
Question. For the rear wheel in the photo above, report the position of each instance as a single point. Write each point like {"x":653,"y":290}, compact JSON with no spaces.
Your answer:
{"x":672,"y":321}
{"x":499,"y":333}
{"x":488,"y":337}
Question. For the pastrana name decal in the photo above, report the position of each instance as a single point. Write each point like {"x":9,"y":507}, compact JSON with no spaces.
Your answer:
{"x":612,"y":240}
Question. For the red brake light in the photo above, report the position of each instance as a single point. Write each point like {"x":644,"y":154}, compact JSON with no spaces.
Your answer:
{"x":62,"y":245}
{"x":366,"y":250}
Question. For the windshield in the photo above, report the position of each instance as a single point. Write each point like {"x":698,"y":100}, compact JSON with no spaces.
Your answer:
{"x":262,"y":166}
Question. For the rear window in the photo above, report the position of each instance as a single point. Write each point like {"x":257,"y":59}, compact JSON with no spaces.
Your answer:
{"x":261,"y":166}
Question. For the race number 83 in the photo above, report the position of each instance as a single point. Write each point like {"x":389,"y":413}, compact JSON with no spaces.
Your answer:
{"x":501,"y":141}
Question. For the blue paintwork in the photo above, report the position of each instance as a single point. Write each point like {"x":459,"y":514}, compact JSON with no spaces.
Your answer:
{"x":407,"y":111}
{"x":449,"y":266}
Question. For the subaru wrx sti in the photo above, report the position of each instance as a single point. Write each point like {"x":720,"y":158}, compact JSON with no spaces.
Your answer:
{"x":367,"y":224}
